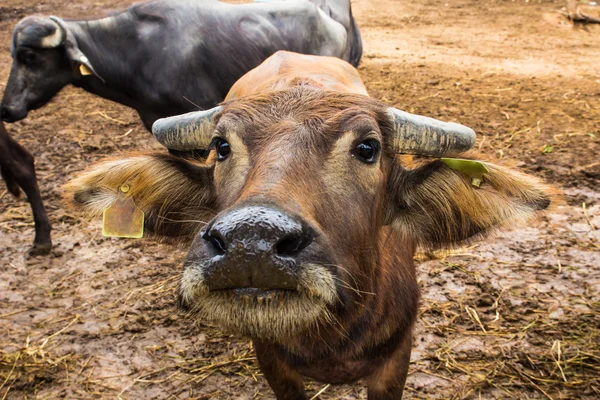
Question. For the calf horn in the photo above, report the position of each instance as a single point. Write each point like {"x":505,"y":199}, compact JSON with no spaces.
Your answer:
{"x":191,"y":131}
{"x":419,"y":135}
{"x":414,"y":134}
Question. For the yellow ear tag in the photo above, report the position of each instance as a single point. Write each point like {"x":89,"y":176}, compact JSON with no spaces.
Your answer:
{"x":84,"y":70}
{"x":123,"y":218}
{"x":473,"y":169}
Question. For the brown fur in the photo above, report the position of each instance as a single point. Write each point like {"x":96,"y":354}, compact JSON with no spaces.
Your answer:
{"x":175,"y":195}
{"x":285,"y":69}
{"x":293,"y":148}
{"x":430,"y":202}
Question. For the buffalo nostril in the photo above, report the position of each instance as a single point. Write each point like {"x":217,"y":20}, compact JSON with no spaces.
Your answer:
{"x":215,"y":240}
{"x":294,"y":243}
{"x":4,"y":114}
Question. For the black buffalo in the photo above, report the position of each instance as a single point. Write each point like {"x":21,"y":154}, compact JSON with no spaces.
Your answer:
{"x":168,"y":57}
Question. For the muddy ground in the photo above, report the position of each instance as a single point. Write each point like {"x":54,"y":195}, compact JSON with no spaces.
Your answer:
{"x":515,"y":316}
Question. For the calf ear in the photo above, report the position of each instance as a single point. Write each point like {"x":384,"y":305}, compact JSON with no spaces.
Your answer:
{"x":176,"y":195}
{"x":441,"y":207}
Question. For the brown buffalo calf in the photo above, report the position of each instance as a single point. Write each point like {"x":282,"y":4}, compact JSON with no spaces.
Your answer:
{"x":311,"y":219}
{"x":17,"y":169}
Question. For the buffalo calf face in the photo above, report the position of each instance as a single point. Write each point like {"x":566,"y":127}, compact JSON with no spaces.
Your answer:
{"x":312,"y":221}
{"x":259,"y":270}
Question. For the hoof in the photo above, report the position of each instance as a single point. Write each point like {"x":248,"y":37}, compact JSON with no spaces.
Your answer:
{"x":40,"y":249}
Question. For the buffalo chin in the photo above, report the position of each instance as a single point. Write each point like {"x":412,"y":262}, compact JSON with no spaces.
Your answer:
{"x":272,"y":314}
{"x":262,"y":314}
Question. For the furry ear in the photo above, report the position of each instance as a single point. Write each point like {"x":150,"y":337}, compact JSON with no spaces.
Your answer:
{"x":440,"y":207}
{"x":177,"y":196}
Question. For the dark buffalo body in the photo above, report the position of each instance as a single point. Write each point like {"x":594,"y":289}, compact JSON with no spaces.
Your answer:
{"x":169,"y":57}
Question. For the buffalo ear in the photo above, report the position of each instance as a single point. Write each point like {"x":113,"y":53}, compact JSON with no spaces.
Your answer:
{"x":177,"y":196}
{"x":77,"y":58}
{"x":441,"y":208}
{"x":74,"y":54}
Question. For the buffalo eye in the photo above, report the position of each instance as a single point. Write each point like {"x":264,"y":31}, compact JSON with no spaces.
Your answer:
{"x":28,"y":58}
{"x":222,"y":148}
{"x":367,"y":151}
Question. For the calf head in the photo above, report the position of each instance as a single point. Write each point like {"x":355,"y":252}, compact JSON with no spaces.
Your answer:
{"x":45,"y":59}
{"x":303,"y":201}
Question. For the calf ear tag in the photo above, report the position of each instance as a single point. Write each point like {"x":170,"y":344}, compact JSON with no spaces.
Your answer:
{"x":123,"y":218}
{"x":84,"y":70}
{"x":473,"y":169}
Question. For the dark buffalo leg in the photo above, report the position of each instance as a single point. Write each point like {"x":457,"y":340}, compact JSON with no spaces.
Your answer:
{"x":42,"y":243}
{"x":17,"y":167}
{"x":387,"y":383}
{"x":285,"y":382}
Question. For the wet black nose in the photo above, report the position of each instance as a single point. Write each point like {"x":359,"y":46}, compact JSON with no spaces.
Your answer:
{"x":255,"y":246}
{"x":256,"y":231}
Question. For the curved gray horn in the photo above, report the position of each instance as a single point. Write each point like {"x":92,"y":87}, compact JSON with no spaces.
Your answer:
{"x":38,"y":32}
{"x":416,"y":134}
{"x":191,"y":131}
{"x":57,"y":37}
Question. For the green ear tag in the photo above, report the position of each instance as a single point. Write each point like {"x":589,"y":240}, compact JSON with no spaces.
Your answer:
{"x":473,"y":169}
{"x":123,"y":218}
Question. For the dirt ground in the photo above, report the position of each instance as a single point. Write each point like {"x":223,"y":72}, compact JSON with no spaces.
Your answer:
{"x":515,"y":316}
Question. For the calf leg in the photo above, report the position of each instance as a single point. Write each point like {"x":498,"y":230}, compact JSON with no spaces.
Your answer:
{"x":22,"y":171}
{"x":9,"y":179}
{"x":18,"y":169}
{"x":285,"y":382}
{"x":42,"y":244}
{"x":387,"y":382}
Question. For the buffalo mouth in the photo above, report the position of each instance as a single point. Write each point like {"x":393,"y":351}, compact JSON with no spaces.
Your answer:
{"x":257,"y":294}
{"x":258,"y":312}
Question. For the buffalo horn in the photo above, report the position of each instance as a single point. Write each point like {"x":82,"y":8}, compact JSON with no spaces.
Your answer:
{"x":419,"y":135}
{"x":191,"y":131}
{"x":57,"y":37}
